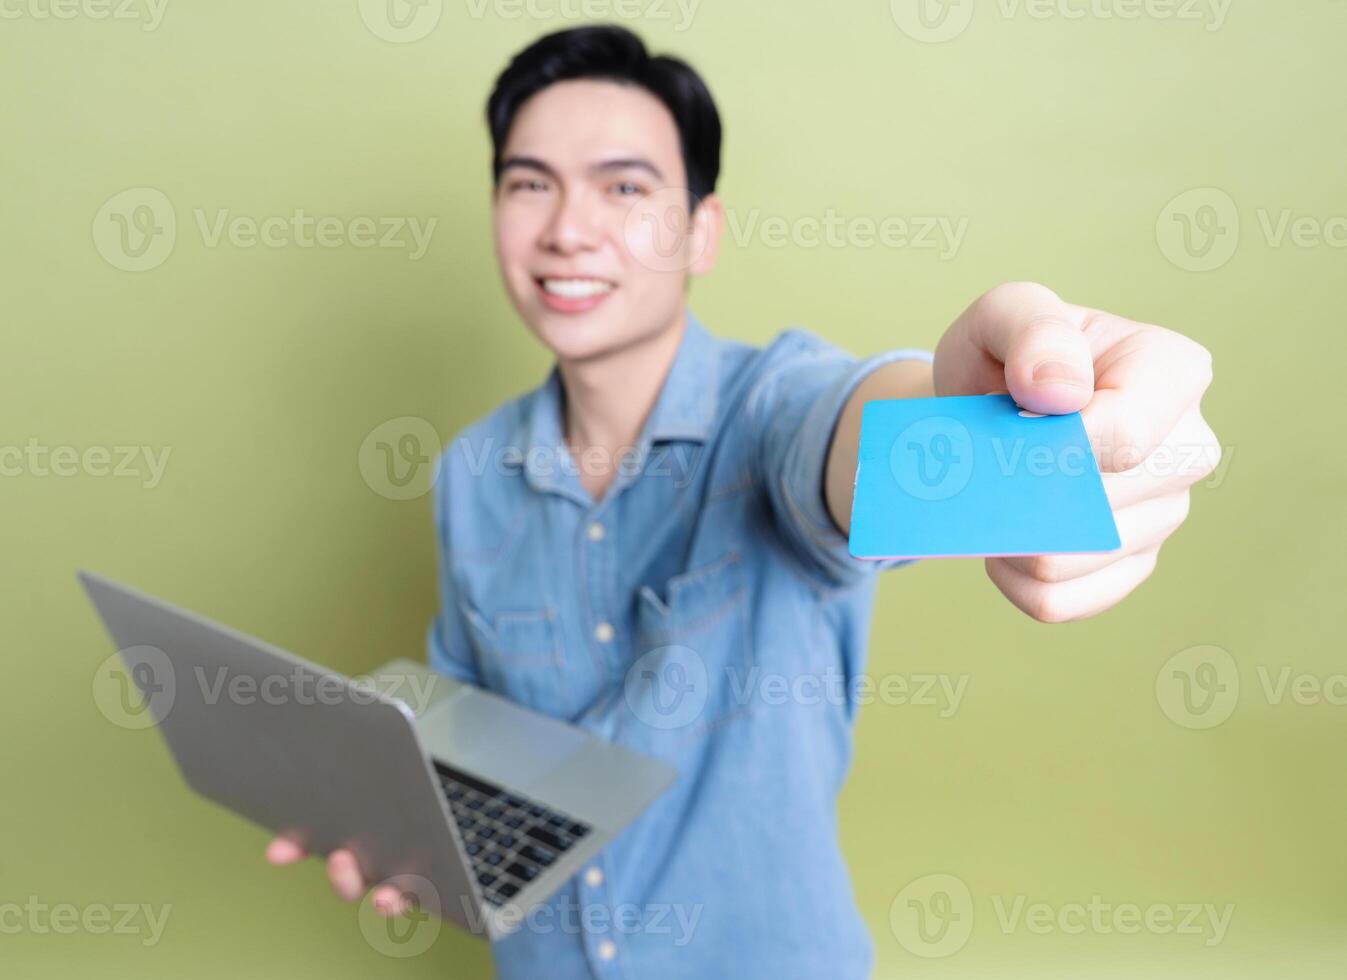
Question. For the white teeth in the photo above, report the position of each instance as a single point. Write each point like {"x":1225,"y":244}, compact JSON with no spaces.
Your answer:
{"x":576,"y":288}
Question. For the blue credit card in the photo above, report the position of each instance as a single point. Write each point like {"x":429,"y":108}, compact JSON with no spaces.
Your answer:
{"x":975,"y":475}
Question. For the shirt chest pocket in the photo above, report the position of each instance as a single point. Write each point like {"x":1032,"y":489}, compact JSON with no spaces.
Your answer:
{"x":520,"y":655}
{"x":694,"y":659}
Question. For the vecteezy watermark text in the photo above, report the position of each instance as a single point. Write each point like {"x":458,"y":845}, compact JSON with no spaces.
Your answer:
{"x":1200,"y":687}
{"x":40,"y":918}
{"x":400,"y":459}
{"x":136,"y":230}
{"x":37,"y":459}
{"x":1201,"y":229}
{"x":933,"y":917}
{"x":138,"y":686}
{"x":566,"y":915}
{"x":942,"y":234}
{"x":406,"y":21}
{"x":937,"y":21}
{"x":669,"y":687}
{"x":150,"y":13}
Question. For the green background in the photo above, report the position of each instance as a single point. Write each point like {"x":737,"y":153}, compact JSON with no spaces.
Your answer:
{"x":1060,"y":139}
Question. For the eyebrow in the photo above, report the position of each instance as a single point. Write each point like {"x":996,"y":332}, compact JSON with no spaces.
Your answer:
{"x":603,"y":166}
{"x":626,"y":163}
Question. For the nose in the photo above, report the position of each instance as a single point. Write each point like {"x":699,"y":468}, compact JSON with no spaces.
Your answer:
{"x":573,"y":226}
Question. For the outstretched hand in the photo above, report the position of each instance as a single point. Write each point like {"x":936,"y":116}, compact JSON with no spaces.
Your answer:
{"x":1138,"y":388}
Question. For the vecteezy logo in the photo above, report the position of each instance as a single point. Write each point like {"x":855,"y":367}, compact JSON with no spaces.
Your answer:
{"x":409,"y":933}
{"x":1198,"y":231}
{"x":135,"y":230}
{"x":401,"y":21}
{"x":932,"y":917}
{"x":135,"y":688}
{"x":667,"y":687}
{"x":657,"y":230}
{"x":400,"y":457}
{"x":932,"y":459}
{"x":1198,"y":687}
{"x":932,"y":21}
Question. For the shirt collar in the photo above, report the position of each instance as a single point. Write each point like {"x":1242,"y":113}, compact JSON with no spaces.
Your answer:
{"x":684,"y":410}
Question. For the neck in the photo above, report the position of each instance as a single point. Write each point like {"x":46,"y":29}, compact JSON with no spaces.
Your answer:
{"x":608,"y":398}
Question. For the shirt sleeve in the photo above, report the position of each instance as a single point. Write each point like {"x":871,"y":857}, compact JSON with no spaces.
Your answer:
{"x":793,"y":410}
{"x":448,"y":649}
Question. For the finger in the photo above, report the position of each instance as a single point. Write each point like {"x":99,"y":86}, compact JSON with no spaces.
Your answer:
{"x":1188,"y":454}
{"x":345,"y":876}
{"x":1142,"y":527}
{"x":388,"y":901}
{"x":1144,"y":390}
{"x":282,"y":850}
{"x":1076,"y":599}
{"x":1049,"y":367}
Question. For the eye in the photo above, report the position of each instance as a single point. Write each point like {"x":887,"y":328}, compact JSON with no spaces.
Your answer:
{"x":627,"y":188}
{"x":527,"y":184}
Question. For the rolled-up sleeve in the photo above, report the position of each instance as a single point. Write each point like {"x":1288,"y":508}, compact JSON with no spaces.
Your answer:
{"x":793,"y":409}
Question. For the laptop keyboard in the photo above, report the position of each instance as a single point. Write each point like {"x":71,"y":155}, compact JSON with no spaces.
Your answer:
{"x":510,"y":839}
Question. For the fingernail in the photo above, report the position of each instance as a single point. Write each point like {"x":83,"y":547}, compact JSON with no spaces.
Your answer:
{"x":1058,"y":373}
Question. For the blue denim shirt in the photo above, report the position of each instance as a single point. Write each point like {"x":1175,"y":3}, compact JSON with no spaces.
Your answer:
{"x":705,"y":612}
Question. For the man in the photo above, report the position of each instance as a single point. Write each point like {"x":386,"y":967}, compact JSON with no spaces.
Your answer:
{"x":670,"y":510}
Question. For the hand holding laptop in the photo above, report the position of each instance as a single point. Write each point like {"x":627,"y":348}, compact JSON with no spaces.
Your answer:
{"x":343,"y":872}
{"x":469,"y":806}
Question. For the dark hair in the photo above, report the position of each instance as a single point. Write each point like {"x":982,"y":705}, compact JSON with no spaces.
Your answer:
{"x":614,"y":54}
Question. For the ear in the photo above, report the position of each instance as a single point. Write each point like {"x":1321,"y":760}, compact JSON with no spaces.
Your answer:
{"x":708,"y":224}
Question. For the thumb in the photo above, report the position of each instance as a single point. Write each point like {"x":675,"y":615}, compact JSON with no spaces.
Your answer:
{"x":1049,"y":368}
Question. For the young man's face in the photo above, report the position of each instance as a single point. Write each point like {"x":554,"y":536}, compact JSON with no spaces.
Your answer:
{"x":592,"y":232}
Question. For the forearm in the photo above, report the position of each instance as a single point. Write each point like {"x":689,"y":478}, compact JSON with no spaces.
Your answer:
{"x":898,"y":379}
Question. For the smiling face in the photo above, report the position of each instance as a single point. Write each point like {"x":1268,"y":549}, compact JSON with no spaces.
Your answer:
{"x":592,"y":230}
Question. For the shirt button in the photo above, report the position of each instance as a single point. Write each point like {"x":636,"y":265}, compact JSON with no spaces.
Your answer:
{"x":607,"y":949}
{"x":593,"y":877}
{"x":596,"y":531}
{"x":603,"y":632}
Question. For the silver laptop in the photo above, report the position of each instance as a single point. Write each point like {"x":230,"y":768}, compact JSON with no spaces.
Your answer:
{"x":478,"y":807}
